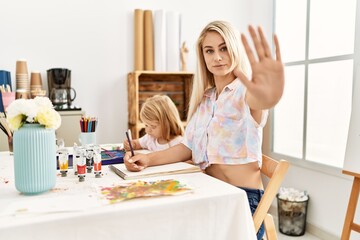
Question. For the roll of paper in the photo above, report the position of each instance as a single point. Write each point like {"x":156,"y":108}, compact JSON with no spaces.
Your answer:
{"x":149,"y":40}
{"x":172,"y":41}
{"x":160,"y":40}
{"x":138,"y":39}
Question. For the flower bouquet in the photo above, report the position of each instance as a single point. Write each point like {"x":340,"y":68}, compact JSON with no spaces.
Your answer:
{"x":38,"y":110}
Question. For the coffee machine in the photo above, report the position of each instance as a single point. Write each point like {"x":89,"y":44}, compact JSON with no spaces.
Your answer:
{"x":61,"y":93}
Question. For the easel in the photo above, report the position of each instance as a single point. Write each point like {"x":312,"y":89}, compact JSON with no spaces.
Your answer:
{"x":350,"y":213}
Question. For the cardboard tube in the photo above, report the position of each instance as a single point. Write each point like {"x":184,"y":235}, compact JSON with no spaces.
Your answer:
{"x":149,"y":40}
{"x":160,"y":40}
{"x":139,"y":40}
{"x":172,"y":41}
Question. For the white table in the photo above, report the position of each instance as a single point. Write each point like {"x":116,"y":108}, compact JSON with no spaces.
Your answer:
{"x":73,"y":210}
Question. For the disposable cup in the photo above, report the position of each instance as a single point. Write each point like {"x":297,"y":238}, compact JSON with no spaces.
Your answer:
{"x":22,"y":93}
{"x":21,"y":67}
{"x":35,"y":78}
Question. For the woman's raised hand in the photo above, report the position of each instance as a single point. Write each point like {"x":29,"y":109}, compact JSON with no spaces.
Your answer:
{"x":266,"y":85}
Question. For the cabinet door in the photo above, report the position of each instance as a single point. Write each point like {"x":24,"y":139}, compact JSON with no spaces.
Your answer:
{"x":70,"y":127}
{"x":4,"y":146}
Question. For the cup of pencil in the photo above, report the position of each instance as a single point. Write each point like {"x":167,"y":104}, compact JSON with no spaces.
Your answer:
{"x":7,"y":95}
{"x":88,"y":130}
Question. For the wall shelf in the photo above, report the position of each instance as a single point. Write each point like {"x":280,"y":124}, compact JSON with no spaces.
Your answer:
{"x":144,"y":84}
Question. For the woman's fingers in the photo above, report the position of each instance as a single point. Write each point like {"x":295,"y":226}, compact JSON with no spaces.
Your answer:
{"x":257,"y":43}
{"x":277,"y":48}
{"x":240,"y":75}
{"x":264,"y":43}
{"x":248,"y":50}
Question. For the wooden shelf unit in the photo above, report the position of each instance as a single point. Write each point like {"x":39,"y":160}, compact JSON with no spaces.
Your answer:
{"x":144,"y":84}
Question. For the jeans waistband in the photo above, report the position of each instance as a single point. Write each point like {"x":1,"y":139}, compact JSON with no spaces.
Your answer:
{"x":253,"y":191}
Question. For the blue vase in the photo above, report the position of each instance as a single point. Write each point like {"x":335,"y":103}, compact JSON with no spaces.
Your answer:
{"x":34,"y":159}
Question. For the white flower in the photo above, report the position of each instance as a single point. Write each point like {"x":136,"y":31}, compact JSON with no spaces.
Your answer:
{"x":37,"y":110}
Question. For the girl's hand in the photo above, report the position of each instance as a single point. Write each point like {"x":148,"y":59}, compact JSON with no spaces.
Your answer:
{"x":127,"y":145}
{"x":266,"y":86}
{"x":137,"y":162}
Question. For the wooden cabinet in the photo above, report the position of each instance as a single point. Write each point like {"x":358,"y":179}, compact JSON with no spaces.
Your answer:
{"x":144,"y":84}
{"x":70,"y":127}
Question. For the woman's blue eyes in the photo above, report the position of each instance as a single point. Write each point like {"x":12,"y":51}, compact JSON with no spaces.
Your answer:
{"x":223,"y":49}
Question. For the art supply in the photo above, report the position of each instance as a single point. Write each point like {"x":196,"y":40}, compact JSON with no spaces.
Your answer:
{"x":88,"y":124}
{"x":89,"y":159}
{"x":142,"y":189}
{"x":97,"y":161}
{"x":128,"y":136}
{"x":154,"y":171}
{"x":63,"y":162}
{"x":81,"y":165}
{"x":76,"y":157}
{"x":4,"y":126}
{"x":5,"y":88}
{"x":7,"y":98}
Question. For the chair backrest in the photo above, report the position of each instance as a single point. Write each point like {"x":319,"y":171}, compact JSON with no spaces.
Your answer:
{"x":275,"y":171}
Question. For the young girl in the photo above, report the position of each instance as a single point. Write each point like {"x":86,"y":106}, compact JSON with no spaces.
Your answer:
{"x":163,"y":126}
{"x":227,"y":110}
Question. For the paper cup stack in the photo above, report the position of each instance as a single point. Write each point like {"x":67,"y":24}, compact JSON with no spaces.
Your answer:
{"x":36,"y":85}
{"x":22,"y":80}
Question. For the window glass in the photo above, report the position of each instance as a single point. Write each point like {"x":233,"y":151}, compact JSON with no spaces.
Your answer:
{"x":289,"y":114}
{"x":312,"y":119}
{"x":332,"y":28}
{"x":328,"y":111}
{"x":291,"y":28}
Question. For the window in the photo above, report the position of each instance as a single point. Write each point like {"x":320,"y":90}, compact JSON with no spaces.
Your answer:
{"x":317,"y":40}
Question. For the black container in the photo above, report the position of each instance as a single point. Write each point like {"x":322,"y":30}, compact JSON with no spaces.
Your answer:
{"x":292,"y":216}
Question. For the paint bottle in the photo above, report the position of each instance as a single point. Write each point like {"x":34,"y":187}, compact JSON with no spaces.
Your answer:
{"x":81,"y":165}
{"x":63,"y":162}
{"x":97,"y":161}
{"x":89,"y":158}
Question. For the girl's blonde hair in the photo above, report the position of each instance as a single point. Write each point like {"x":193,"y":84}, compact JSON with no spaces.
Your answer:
{"x":162,"y":109}
{"x":205,"y":79}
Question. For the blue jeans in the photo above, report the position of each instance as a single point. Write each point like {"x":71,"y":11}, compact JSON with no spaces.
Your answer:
{"x":254,"y":196}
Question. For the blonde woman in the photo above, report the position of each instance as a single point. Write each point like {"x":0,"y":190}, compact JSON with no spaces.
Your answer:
{"x":228,"y":109}
{"x":163,"y":125}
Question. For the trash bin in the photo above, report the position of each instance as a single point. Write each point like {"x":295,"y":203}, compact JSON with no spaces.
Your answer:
{"x":292,"y":214}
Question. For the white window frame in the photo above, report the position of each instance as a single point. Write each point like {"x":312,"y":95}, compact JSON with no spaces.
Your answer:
{"x":268,"y":131}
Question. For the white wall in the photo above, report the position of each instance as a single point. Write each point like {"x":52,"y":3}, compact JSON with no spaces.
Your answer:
{"x":95,"y":40}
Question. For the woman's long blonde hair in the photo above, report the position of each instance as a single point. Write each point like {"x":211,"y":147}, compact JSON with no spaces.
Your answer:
{"x":162,"y":109}
{"x":205,"y":79}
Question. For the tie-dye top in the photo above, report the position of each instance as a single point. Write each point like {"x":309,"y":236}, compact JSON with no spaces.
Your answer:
{"x":222,"y":131}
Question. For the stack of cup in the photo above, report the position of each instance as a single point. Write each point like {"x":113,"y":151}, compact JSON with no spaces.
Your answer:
{"x":22,"y":80}
{"x":36,"y":85}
